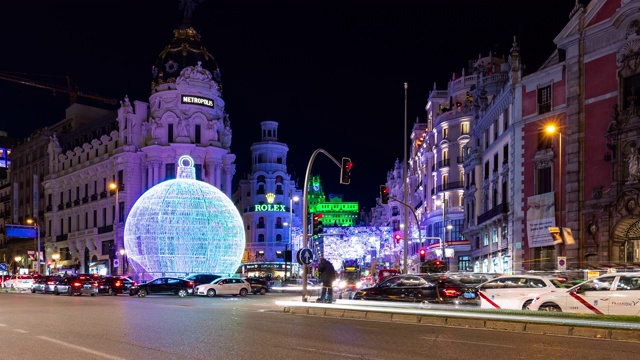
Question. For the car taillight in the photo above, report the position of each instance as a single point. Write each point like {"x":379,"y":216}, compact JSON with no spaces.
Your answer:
{"x":190,"y":283}
{"x":50,"y":282}
{"x":77,"y":284}
{"x":451,"y":292}
{"x":118,"y":283}
{"x":94,"y":284}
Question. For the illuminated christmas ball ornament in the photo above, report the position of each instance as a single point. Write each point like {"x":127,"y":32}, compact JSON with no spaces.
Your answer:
{"x":184,"y":226}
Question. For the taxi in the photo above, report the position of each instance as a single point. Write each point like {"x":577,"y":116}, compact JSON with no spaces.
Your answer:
{"x":515,"y":292}
{"x":609,"y":294}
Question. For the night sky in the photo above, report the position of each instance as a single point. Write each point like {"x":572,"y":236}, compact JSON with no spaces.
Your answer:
{"x":331,"y":73}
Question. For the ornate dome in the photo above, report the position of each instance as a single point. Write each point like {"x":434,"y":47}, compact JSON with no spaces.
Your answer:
{"x":184,"y":226}
{"x":184,"y":51}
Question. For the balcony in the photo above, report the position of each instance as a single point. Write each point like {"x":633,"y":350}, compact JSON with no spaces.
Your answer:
{"x":67,"y":204}
{"x":85,"y":199}
{"x":103,"y":195}
{"x":105,"y":229}
{"x":61,"y":207}
{"x":94,"y":197}
{"x":450,"y":186}
{"x":444,"y":163}
{"x":76,"y":202}
{"x":460,"y":159}
{"x":62,"y":237}
{"x":497,"y":210}
{"x":49,"y":208}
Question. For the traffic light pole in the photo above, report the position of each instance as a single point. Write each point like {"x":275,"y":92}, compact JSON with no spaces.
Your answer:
{"x":406,"y":238}
{"x":305,"y":212}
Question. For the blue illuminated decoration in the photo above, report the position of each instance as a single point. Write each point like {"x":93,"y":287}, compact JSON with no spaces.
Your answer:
{"x":184,"y":226}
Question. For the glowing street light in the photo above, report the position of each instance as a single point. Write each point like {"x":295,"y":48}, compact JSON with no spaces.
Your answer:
{"x":33,"y":223}
{"x":114,"y":186}
{"x":552,"y":129}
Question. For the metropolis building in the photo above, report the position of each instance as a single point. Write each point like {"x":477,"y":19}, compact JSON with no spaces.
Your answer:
{"x":80,"y":213}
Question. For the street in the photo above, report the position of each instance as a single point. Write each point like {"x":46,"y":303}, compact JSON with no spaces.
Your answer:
{"x":167,"y":327}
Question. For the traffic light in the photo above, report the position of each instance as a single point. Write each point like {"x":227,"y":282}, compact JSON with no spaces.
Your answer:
{"x":384,"y":195}
{"x":345,"y":171}
{"x":398,"y":237}
{"x":437,"y":263}
{"x":423,"y":254}
{"x":317,"y":224}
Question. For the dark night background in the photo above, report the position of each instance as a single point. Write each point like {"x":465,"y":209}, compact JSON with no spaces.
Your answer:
{"x":331,"y":73}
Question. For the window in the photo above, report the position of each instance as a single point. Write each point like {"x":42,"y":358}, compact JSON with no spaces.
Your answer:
{"x":505,"y":154}
{"x":279,"y":237}
{"x":197,"y":134}
{"x":170,"y":133}
{"x":544,"y":99}
{"x":445,"y":133}
{"x":170,"y":171}
{"x":260,"y":237}
{"x":543,"y":180}
{"x":464,"y":128}
{"x":631,"y":90}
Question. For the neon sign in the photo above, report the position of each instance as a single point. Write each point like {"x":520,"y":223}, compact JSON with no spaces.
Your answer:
{"x":269,"y":207}
{"x":197,"y":100}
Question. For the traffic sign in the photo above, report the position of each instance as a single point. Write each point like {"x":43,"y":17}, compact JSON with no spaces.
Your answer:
{"x":304,"y":256}
{"x":116,"y":262}
{"x":3,"y":267}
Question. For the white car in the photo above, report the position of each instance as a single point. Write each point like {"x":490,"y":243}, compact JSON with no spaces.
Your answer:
{"x":20,"y":282}
{"x":224,"y":286}
{"x":515,"y":292}
{"x":609,"y":294}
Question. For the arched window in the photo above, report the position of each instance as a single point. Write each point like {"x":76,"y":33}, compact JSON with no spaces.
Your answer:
{"x":279,"y":179}
{"x":261,"y":179}
{"x":261,"y":222}
{"x":279,"y":237}
{"x":260,"y":237}
{"x":278,"y":223}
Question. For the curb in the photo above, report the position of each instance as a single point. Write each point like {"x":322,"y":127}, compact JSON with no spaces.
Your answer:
{"x":585,"y":331}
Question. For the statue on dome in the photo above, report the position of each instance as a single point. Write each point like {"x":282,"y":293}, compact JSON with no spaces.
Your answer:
{"x":634,"y":165}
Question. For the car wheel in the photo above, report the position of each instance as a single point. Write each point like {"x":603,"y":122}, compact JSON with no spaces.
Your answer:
{"x":55,"y":291}
{"x":211,"y":293}
{"x":183,"y":293}
{"x":142,"y":293}
{"x":243,"y":292}
{"x":33,"y":291}
{"x":111,"y":292}
{"x":526,"y":304}
{"x":263,"y":291}
{"x":70,"y":292}
{"x":550,"y":307}
{"x":93,"y":294}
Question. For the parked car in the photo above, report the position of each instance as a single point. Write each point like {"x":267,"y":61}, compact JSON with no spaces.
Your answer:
{"x":76,"y":285}
{"x":259,"y":286}
{"x":471,"y":282}
{"x":224,"y":286}
{"x":610,"y":294}
{"x":163,"y":285}
{"x":114,"y":285}
{"x":516,"y":292}
{"x":20,"y":282}
{"x":46,"y":284}
{"x":429,"y":288}
{"x":202,"y":278}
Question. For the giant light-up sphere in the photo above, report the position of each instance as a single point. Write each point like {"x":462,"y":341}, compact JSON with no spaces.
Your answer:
{"x":184,"y":226}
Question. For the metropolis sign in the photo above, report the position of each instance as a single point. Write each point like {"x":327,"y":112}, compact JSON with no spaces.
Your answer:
{"x":197,"y":100}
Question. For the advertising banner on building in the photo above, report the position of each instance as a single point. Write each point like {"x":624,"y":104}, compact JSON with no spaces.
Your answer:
{"x":540,"y":217}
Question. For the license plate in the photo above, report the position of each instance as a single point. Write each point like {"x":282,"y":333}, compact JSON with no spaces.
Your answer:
{"x":469,"y":295}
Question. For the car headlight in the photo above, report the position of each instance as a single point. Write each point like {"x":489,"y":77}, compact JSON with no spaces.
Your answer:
{"x":359,"y":284}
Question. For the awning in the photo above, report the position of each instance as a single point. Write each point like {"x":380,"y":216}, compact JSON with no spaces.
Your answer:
{"x":98,"y":263}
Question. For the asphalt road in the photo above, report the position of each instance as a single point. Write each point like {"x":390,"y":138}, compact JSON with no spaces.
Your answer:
{"x":167,"y":327}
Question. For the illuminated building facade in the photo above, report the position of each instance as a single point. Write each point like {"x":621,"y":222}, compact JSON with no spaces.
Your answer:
{"x":266,"y":200}
{"x":136,"y":148}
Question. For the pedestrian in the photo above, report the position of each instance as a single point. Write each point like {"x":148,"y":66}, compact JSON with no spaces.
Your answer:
{"x":327,"y":277}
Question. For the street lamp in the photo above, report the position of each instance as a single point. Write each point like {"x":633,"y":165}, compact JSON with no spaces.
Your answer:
{"x":292,"y":199}
{"x":18,"y":258}
{"x":33,"y":223}
{"x":443,"y":238}
{"x":114,"y":186}
{"x":552,"y":129}
{"x":55,"y":257}
{"x":123,"y":254}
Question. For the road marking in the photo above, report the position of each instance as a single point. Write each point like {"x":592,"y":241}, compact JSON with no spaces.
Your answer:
{"x":466,"y":342}
{"x":97,"y":353}
{"x":336,"y":353}
{"x":20,"y":331}
{"x":4,"y":325}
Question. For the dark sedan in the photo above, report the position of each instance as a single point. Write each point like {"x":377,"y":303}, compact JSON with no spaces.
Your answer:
{"x":428,"y":288}
{"x":164,"y":286}
{"x":259,"y":286}
{"x":114,"y":285}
